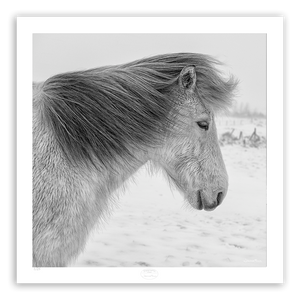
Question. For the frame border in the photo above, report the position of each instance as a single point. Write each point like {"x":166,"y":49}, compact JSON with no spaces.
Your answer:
{"x":143,"y":289}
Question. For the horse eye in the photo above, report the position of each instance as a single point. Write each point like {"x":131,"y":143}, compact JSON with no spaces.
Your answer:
{"x":203,"y":125}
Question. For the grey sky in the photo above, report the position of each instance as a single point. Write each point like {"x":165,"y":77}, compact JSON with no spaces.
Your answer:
{"x":243,"y":54}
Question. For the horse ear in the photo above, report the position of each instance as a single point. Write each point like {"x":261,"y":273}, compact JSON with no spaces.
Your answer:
{"x":187,"y":78}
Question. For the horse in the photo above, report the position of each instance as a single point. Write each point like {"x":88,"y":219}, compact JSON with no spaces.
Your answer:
{"x":93,"y":129}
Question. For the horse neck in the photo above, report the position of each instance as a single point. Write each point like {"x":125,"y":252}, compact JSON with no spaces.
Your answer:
{"x":112,"y":178}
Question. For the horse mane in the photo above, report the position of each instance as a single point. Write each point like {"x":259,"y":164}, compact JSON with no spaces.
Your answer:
{"x":107,"y":112}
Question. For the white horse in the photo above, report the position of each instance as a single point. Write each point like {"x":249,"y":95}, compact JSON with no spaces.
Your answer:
{"x":93,"y":129}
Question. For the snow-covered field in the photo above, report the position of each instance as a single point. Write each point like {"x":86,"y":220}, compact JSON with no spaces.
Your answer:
{"x":151,"y":226}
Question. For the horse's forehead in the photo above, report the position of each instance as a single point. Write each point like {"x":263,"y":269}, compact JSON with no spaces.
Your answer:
{"x":197,"y":105}
{"x":193,"y":103}
{"x":201,"y":109}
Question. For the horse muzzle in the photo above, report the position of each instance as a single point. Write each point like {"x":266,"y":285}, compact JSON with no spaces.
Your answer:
{"x":210,"y":203}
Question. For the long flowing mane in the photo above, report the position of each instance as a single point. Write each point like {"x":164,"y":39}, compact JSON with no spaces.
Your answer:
{"x":107,"y":112}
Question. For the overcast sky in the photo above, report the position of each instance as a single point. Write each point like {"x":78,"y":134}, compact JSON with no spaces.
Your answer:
{"x":243,"y":54}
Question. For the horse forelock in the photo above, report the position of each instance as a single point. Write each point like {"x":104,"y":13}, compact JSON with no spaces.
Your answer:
{"x":108,"y":112}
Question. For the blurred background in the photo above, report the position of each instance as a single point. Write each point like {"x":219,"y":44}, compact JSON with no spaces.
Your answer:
{"x":244,"y":55}
{"x":151,"y":225}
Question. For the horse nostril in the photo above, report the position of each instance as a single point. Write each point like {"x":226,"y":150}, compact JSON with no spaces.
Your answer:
{"x":219,"y":198}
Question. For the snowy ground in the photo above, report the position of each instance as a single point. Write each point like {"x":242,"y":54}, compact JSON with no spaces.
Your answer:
{"x":152,"y":227}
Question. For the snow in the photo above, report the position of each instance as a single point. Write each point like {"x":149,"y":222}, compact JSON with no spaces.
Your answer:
{"x":153,"y":226}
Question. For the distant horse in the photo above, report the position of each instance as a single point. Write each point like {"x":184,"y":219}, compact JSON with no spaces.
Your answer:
{"x":93,"y":129}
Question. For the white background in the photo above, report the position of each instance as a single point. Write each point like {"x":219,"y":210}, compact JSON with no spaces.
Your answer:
{"x":244,"y":55}
{"x":273,"y":27}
